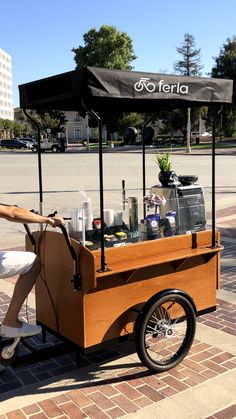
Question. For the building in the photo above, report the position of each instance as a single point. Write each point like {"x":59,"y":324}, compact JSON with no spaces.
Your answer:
{"x":77,"y":129}
{"x":6,"y":91}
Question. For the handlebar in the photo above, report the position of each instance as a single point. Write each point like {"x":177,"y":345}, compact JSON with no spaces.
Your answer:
{"x":77,"y":277}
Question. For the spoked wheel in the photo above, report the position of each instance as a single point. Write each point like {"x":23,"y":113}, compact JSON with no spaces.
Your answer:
{"x":165,"y":331}
{"x":7,"y":352}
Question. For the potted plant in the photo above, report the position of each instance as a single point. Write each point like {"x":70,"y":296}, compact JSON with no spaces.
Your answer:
{"x":166,"y":176}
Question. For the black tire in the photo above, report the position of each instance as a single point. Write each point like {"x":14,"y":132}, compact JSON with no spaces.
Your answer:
{"x":34,"y":149}
{"x":165,"y":330}
{"x":54,"y":149}
{"x":5,"y":357}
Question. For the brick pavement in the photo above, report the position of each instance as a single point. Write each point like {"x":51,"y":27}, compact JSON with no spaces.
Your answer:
{"x":114,"y":384}
{"x":124,"y":393}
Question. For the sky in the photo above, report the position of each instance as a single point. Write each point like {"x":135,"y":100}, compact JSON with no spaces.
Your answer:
{"x":39,"y":35}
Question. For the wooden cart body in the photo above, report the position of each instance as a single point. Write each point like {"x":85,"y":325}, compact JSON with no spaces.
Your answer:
{"x":106,"y":306}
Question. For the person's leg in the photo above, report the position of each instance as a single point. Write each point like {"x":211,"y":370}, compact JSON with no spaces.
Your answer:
{"x":27,"y":266}
{"x":22,"y":288}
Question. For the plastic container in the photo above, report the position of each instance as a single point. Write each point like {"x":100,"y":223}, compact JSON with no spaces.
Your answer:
{"x":152,"y":226}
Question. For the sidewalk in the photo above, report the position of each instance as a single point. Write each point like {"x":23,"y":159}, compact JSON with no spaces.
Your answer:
{"x":112,"y":383}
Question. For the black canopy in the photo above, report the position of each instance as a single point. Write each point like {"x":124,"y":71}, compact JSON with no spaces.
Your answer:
{"x":119,"y":91}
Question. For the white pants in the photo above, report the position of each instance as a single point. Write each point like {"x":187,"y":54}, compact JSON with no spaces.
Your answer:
{"x":15,"y":263}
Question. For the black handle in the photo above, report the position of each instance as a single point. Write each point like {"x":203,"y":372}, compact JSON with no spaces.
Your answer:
{"x":77,"y":277}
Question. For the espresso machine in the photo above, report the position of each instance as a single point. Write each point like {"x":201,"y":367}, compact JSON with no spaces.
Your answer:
{"x":189,"y":204}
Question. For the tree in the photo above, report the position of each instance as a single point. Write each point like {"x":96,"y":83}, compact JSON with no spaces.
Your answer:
{"x":188,"y":66}
{"x":53,"y":121}
{"x":225,"y":67}
{"x":130,"y":120}
{"x":1,"y":127}
{"x":47,"y":120}
{"x":106,"y":48}
{"x":174,"y":120}
{"x":22,"y":125}
{"x":225,"y":63}
{"x":8,"y":127}
{"x":18,"y":129}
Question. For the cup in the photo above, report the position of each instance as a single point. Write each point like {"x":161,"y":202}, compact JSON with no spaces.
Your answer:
{"x":109,"y":216}
{"x":76,"y":219}
{"x":87,"y":207}
{"x":118,"y":218}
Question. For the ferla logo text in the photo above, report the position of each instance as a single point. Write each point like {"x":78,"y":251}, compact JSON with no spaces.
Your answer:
{"x":172,"y":88}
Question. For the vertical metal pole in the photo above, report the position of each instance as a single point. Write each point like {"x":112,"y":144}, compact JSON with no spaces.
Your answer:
{"x":103,"y":263}
{"x":214,"y":176}
{"x":36,"y":126}
{"x":123,"y":194}
{"x":188,"y":147}
{"x":213,"y":207}
{"x":88,"y":144}
{"x":98,"y":119}
{"x":144,"y":170}
{"x":144,"y":160}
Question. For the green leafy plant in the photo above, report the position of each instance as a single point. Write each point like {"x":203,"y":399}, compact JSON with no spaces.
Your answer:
{"x":163,"y":160}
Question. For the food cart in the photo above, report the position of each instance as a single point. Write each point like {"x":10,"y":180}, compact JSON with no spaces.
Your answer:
{"x":151,"y":290}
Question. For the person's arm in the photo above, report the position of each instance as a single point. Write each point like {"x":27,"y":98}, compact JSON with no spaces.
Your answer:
{"x":23,"y":215}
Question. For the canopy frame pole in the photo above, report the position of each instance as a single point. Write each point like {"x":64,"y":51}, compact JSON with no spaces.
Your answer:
{"x":37,"y":127}
{"x":154,"y":116}
{"x":103,"y":267}
{"x":213,"y":205}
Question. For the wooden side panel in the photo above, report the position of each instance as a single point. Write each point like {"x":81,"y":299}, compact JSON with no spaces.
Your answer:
{"x":218,"y":264}
{"x":58,"y":306}
{"x":107,"y":310}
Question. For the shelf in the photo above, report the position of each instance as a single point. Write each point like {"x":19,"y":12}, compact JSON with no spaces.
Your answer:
{"x":136,"y":257}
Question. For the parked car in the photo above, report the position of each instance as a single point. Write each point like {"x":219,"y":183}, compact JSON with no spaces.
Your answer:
{"x":206,"y":134}
{"x":29,"y":142}
{"x":13,"y":143}
{"x":50,"y":144}
{"x":195,"y":134}
{"x":177,"y":139}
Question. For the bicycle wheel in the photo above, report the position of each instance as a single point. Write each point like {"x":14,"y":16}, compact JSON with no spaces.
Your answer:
{"x":150,"y":87}
{"x":138,"y":86}
{"x":165,"y":331}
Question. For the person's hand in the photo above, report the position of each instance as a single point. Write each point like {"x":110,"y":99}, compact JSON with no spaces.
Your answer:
{"x":56,"y":221}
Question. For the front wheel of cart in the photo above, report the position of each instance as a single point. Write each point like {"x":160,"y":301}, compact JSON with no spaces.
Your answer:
{"x":165,"y":330}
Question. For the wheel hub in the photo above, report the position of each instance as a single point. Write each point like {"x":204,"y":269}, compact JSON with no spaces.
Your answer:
{"x":164,"y":327}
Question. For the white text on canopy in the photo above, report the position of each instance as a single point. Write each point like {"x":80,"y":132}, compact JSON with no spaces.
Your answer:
{"x":161,"y":86}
